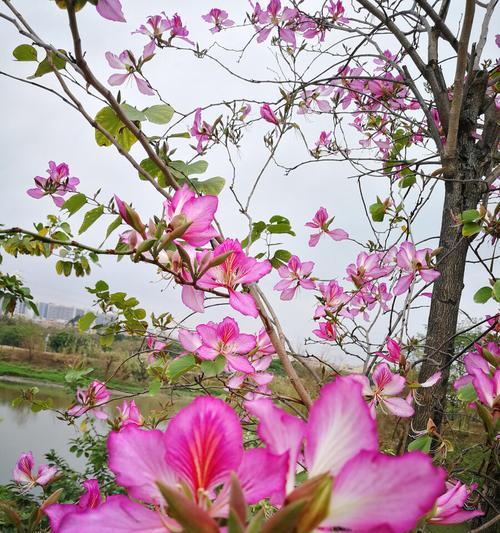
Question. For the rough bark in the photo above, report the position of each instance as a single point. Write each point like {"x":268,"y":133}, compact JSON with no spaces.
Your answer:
{"x":463,"y":190}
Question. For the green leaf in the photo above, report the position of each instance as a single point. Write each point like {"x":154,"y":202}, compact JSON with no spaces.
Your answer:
{"x":108,"y":120}
{"x":280,"y":228}
{"x":483,"y":295}
{"x":133,"y":113}
{"x":115,"y":224}
{"x":44,"y":67}
{"x":407,"y":181}
{"x":422,"y":443}
{"x":212,"y":368}
{"x":496,"y":290}
{"x":470,"y":228}
{"x":90,"y":217}
{"x":377,"y":211}
{"x":280,"y":258}
{"x":159,"y":114}
{"x":198,"y":167}
{"x":154,"y":387}
{"x":152,"y":168}
{"x":467,"y":393}
{"x":25,"y":52}
{"x":211,"y":186}
{"x":86,"y":321}
{"x":180,"y":366}
{"x":470,"y":215}
{"x":74,"y":203}
{"x":106,"y":340}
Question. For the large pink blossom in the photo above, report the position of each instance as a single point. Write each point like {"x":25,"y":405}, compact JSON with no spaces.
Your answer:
{"x":368,"y":267}
{"x":322,"y":222}
{"x":198,"y":211}
{"x":294,"y":275}
{"x":274,"y":17}
{"x":237,"y":269}
{"x":89,"y":400}
{"x":125,"y":62}
{"x":371,"y":491}
{"x":56,"y":185}
{"x":414,"y":263}
{"x":129,"y":414}
{"x":201,"y":447}
{"x":326,"y":331}
{"x":24,"y":476}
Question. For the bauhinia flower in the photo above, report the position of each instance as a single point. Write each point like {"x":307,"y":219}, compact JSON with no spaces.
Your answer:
{"x":450,"y":505}
{"x":201,"y":131}
{"x":89,"y":400}
{"x":129,"y":414}
{"x":294,"y":275}
{"x":386,"y":387}
{"x":225,"y":339}
{"x":326,"y":331}
{"x":273,"y":17}
{"x":24,"y":476}
{"x":237,"y":269}
{"x":195,"y":456}
{"x":110,"y":9}
{"x":177,"y":29}
{"x":332,"y":297}
{"x":185,"y":208}
{"x":219,"y":18}
{"x":393,"y":354}
{"x":125,"y":61}
{"x":415,"y":263}
{"x":322,"y":223}
{"x":90,"y":499}
{"x":56,"y":185}
{"x":154,"y":29}
{"x":368,"y":267}
{"x":371,"y":491}
{"x":268,"y":115}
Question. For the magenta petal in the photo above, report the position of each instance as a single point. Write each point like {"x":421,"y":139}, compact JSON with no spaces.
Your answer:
{"x":36,"y":193}
{"x":117,"y":515}
{"x":118,"y":79}
{"x":338,"y":234}
{"x":263,"y":475}
{"x":111,"y":10}
{"x":399,"y":407}
{"x":204,"y":443}
{"x":244,"y":303}
{"x":137,"y":458}
{"x":193,"y":298}
{"x":403,"y":284}
{"x":340,"y":425}
{"x":314,"y":239}
{"x":429,"y":274}
{"x":240,"y":363}
{"x":376,"y":492}
{"x":57,"y":512}
{"x":143,"y":86}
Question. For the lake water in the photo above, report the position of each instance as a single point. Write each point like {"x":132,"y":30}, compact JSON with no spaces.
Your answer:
{"x":21,"y":430}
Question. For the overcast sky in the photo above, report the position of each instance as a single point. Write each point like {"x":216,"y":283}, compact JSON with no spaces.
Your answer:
{"x":38,"y":127}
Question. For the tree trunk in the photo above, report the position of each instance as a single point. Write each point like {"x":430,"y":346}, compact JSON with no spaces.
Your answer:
{"x":463,"y":190}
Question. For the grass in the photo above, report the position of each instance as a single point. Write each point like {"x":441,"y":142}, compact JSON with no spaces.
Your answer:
{"x":22,"y":370}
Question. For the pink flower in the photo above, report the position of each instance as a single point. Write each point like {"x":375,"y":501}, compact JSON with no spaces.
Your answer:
{"x":201,"y":131}
{"x":111,"y":10}
{"x":332,"y":297}
{"x":225,"y":339}
{"x":186,"y":208}
{"x":368,"y":267}
{"x":294,"y":275}
{"x":386,"y":386}
{"x":336,"y":11}
{"x":414,"y":262}
{"x":371,"y":491}
{"x":24,"y":476}
{"x":312,"y":98}
{"x":157,"y":26}
{"x":56,"y":185}
{"x":58,"y":512}
{"x":201,"y":447}
{"x":324,"y":140}
{"x":273,"y":17}
{"x":393,"y":354}
{"x":129,"y":414}
{"x":89,"y":399}
{"x":177,"y":29}
{"x":326,"y":331}
{"x":236,"y":269}
{"x":220,"y":19}
{"x":126,"y":62}
{"x":449,"y":506}
{"x":322,"y":222}
{"x":245,"y":111}
{"x":268,"y":115}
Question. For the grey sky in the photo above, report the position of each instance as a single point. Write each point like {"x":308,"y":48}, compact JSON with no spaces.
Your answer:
{"x":39,"y":127}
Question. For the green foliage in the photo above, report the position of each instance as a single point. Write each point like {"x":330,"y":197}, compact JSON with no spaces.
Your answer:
{"x":13,"y":291}
{"x":178,"y":367}
{"x":90,"y":217}
{"x":25,"y":52}
{"x":108,"y":120}
{"x":86,"y":321}
{"x":74,"y":203}
{"x":52,"y":61}
{"x":422,"y":444}
{"x":277,"y":225}
{"x":159,"y":114}
{"x":483,"y":295}
{"x":377,"y":210}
